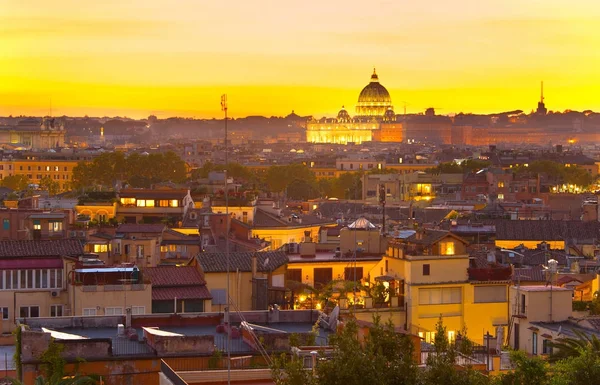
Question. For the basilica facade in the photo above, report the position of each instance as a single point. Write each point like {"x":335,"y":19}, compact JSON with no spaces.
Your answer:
{"x":374,"y":120}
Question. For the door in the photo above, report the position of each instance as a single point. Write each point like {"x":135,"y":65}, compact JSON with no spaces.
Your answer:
{"x":323,"y":275}
{"x":517,"y":337}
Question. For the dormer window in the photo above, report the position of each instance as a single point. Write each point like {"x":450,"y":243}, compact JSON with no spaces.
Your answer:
{"x":447,"y":248}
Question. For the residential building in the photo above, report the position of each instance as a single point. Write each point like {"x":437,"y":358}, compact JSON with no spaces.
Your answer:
{"x":183,"y":285}
{"x":97,"y":289}
{"x":256,"y":280}
{"x":25,"y":224}
{"x":33,"y":279}
{"x":153,"y":205}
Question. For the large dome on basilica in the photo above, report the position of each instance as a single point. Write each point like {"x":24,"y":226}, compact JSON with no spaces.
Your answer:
{"x":374,"y":99}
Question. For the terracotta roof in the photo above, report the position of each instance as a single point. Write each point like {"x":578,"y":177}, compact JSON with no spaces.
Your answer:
{"x":266,"y":261}
{"x":429,"y":237}
{"x":170,"y":276}
{"x":550,"y":230}
{"x":186,"y":292}
{"x":140,"y":228}
{"x":41,"y":248}
{"x":264,"y":219}
{"x":533,"y":274}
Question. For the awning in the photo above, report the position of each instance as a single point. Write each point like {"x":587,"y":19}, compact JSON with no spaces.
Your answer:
{"x":184,"y":292}
{"x":31,"y":263}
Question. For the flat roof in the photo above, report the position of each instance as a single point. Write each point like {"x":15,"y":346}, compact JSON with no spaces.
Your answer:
{"x":329,"y":256}
{"x":105,"y":270}
{"x":541,"y":288}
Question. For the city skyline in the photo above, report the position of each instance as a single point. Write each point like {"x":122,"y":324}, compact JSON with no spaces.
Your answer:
{"x":146,"y":57}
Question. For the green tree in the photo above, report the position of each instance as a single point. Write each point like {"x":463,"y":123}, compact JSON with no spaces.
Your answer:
{"x":527,"y":371}
{"x":16,"y":182}
{"x":289,"y":370}
{"x":302,"y":190}
{"x":581,"y":369}
{"x":50,"y":185}
{"x":567,"y":347}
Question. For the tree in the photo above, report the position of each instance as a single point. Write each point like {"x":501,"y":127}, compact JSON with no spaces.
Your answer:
{"x":568,"y":347}
{"x":441,"y":363}
{"x":527,"y":371}
{"x":301,"y":190}
{"x":581,"y":369}
{"x":287,"y":370}
{"x":16,"y":182}
{"x":50,"y":185}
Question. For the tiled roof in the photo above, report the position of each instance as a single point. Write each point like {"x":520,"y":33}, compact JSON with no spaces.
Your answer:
{"x":533,"y":274}
{"x":264,"y":219}
{"x":186,"y":292}
{"x":140,"y":228}
{"x":552,"y":230}
{"x":170,"y":276}
{"x":266,"y":261}
{"x":41,"y":248}
{"x":538,"y":257}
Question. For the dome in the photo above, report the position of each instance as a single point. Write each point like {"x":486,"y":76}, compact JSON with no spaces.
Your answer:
{"x":343,"y":115}
{"x":374,"y":99}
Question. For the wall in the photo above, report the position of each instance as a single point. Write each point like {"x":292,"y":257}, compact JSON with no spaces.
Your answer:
{"x":442,"y":269}
{"x":337,"y":267}
{"x":103,"y":298}
{"x":369,"y":241}
{"x":240,"y":284}
{"x":175,"y":345}
{"x":34,"y":297}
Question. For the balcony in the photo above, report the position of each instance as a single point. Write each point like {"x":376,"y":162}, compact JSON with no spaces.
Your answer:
{"x":106,"y":288}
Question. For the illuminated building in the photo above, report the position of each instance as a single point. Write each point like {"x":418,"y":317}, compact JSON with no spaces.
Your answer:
{"x":35,"y":169}
{"x":375,"y":120}
{"x":33,"y":134}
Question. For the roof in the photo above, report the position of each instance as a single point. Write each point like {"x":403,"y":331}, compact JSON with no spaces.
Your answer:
{"x":266,"y":261}
{"x":429,"y":237}
{"x":550,"y":230}
{"x":140,"y":228}
{"x":533,"y":274}
{"x":362,"y":223}
{"x":41,"y":248}
{"x":186,"y":292}
{"x":170,"y":276}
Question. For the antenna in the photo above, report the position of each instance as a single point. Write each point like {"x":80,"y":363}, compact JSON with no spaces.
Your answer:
{"x":224,"y":109}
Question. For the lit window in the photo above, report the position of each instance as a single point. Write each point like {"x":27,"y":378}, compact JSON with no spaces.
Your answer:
{"x":174,"y":203}
{"x":447,"y":248}
{"x":500,"y":184}
{"x":149,"y":203}
{"x":141,"y":203}
{"x":100,"y":248}
{"x":451,"y":336}
{"x":164,"y":249}
{"x":128,"y":201}
{"x":47,"y":168}
{"x":55,"y":226}
{"x":501,"y":197}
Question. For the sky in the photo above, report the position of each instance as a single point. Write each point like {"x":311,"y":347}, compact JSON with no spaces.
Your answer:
{"x":175,"y":58}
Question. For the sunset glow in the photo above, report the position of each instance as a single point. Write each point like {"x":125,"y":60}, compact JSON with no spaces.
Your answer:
{"x":177,"y":57}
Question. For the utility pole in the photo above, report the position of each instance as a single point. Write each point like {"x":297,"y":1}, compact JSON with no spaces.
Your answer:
{"x":227,"y":315}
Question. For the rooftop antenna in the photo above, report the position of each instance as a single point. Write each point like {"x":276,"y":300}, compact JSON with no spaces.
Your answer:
{"x":542,"y":94}
{"x":227,"y":324}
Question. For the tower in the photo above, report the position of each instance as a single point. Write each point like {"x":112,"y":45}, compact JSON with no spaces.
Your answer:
{"x":541,"y":108}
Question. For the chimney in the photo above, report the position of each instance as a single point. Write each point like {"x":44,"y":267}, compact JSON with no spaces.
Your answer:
{"x":254,"y":265}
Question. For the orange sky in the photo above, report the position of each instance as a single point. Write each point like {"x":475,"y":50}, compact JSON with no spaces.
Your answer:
{"x":177,"y":57}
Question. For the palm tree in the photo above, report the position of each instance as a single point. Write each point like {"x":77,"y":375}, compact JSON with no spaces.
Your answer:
{"x":567,"y":347}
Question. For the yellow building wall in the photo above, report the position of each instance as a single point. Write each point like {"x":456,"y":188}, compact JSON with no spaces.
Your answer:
{"x":440,"y":270}
{"x":369,"y":268}
{"x":94,"y":211}
{"x":187,"y":231}
{"x":25,"y":297}
{"x":240,"y":286}
{"x":60,"y":171}
{"x":483,"y":317}
{"x":101,"y":299}
{"x":509,"y":244}
{"x":279,"y":237}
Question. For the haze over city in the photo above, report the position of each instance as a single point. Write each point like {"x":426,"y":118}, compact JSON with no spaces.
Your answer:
{"x":176,"y":58}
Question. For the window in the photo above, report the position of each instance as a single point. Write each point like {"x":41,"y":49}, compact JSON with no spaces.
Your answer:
{"x":322,"y":276}
{"x":29,"y":311}
{"x":163,"y":203}
{"x":56,"y":168}
{"x":429,"y":337}
{"x":56,"y":310}
{"x":113,"y":311}
{"x":440,"y":296}
{"x":174,"y":203}
{"x":546,"y":348}
{"x":164,"y":249}
{"x":4,"y":312}
{"x":6,"y":224}
{"x":451,"y":336}
{"x":501,"y":197}
{"x":522,"y":304}
{"x":534,"y":341}
{"x":128,"y":201}
{"x":349,"y":273}
{"x":294,"y":275}
{"x":29,"y":279}
{"x":138,"y":310}
{"x":89,"y":311}
{"x":244,"y":217}
{"x":447,"y":248}
{"x":100,"y":248}
{"x":426,"y":269}
{"x":149,"y":202}
{"x":141,"y":203}
{"x":500,"y":184}
{"x":55,"y":226}
{"x":47,"y":168}
{"x":139,"y":251}
{"x":37,"y":225}
{"x":485,"y":294}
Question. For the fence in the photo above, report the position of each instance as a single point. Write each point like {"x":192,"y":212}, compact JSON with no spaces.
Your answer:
{"x":7,"y":365}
